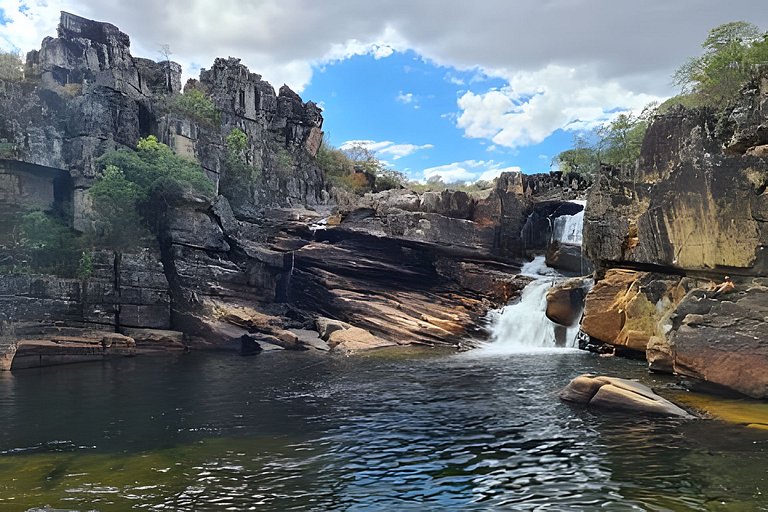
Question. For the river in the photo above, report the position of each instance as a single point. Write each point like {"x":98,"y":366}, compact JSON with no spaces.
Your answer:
{"x":403,"y":430}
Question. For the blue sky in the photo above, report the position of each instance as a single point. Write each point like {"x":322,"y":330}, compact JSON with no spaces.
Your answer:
{"x":449,"y":87}
{"x":412,"y":103}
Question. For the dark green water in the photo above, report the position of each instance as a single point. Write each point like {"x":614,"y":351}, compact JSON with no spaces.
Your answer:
{"x":287,"y":431}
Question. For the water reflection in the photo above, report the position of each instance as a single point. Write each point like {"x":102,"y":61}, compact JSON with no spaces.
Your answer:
{"x":305,"y":431}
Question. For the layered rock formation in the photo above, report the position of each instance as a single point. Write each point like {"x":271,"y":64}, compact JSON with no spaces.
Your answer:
{"x":689,"y":214}
{"x":256,"y":263}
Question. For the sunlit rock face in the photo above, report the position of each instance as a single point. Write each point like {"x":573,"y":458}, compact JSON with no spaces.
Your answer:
{"x":696,"y":200}
{"x":694,"y":206}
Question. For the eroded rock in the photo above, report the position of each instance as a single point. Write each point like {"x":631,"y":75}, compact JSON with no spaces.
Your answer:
{"x":613,"y":393}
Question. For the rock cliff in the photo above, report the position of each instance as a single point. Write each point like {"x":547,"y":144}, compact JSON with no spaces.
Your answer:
{"x":666,"y":233}
{"x":272,"y":251}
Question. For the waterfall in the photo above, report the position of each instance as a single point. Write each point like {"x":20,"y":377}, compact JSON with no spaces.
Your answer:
{"x":524,"y":326}
{"x":567,"y":228}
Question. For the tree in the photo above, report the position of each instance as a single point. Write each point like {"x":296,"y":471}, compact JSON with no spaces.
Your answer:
{"x":11,"y":67}
{"x":616,"y":143}
{"x":730,"y":53}
{"x":165,"y":51}
{"x":118,"y":224}
{"x":155,"y":168}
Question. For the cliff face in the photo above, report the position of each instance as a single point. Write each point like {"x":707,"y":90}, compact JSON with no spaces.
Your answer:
{"x":271,"y":253}
{"x":690,"y":213}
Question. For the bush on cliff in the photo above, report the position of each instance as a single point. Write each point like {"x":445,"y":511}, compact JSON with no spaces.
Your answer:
{"x":240,"y":175}
{"x":11,"y":67}
{"x":196,"y":105}
{"x":731,"y":53}
{"x":154,"y":166}
{"x":357,"y":169}
{"x":131,"y":180}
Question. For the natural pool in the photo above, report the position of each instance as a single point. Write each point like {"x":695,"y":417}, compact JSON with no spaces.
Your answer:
{"x":386,"y":431}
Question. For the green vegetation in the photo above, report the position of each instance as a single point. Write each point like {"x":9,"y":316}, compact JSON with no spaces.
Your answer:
{"x":154,"y":168}
{"x":130,"y":180}
{"x":196,"y":105}
{"x":731,"y":54}
{"x":118,"y":224}
{"x":240,"y":174}
{"x":616,"y":143}
{"x":357,"y":170}
{"x":44,"y":244}
{"x":85,"y":265}
{"x":11,"y":67}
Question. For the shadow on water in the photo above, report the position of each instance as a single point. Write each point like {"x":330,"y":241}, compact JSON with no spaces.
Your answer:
{"x":390,"y":431}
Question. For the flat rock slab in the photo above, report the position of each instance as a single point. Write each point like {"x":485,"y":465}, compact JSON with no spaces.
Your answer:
{"x":619,"y":394}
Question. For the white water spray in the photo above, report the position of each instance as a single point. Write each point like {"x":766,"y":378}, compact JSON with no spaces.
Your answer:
{"x":524,"y":326}
{"x":567,"y":228}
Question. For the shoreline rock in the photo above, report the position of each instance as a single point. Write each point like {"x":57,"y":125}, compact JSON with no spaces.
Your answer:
{"x":612,"y":393}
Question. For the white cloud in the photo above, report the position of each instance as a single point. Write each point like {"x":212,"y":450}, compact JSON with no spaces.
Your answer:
{"x":534,"y":105}
{"x":387,"y":148}
{"x":405,"y":98}
{"x":453,"y":79}
{"x":468,"y":171}
{"x":556,"y":76}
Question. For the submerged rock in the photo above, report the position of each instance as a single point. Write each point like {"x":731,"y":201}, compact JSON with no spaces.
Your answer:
{"x":618,"y":394}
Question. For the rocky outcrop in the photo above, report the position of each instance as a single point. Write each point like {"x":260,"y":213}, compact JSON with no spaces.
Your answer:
{"x":565,"y":301}
{"x":689,"y":205}
{"x":721,"y":338}
{"x":614,"y":394}
{"x":625,"y":307}
{"x":254,"y":264}
{"x":687,"y":215}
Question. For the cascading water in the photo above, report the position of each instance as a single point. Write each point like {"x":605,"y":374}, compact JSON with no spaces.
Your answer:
{"x":567,"y":228}
{"x":524,"y":326}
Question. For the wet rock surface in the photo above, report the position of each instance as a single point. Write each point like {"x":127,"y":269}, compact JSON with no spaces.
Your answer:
{"x":615,"y":394}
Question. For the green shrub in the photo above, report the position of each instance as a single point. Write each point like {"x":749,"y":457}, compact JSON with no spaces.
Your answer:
{"x":196,"y":105}
{"x":131,"y":180}
{"x":731,"y":53}
{"x":240,"y":175}
{"x":49,"y":245}
{"x":85,"y":265}
{"x":11,"y":67}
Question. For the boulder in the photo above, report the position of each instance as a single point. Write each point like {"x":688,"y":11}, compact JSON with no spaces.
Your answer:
{"x":723,"y":339}
{"x":327,"y":326}
{"x":619,"y":394}
{"x":354,"y":339}
{"x":625,"y":307}
{"x":565,"y":302}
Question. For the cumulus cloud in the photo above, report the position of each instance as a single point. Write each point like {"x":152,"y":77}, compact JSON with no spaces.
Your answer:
{"x":405,"y":98}
{"x":468,"y":171}
{"x":386,"y":149}
{"x":535,"y":104}
{"x":565,"y":64}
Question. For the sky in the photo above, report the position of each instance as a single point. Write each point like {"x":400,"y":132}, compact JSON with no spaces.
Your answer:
{"x":464,"y":90}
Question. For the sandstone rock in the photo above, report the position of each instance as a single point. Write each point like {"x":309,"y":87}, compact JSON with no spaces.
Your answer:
{"x":565,"y":301}
{"x":354,"y":339}
{"x":625,"y":307}
{"x":327,"y":326}
{"x":689,"y":205}
{"x":619,"y":394}
{"x":723,"y":341}
{"x":311,"y":339}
